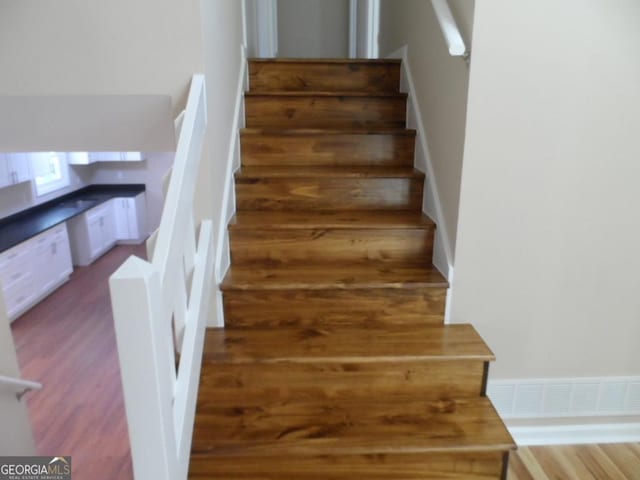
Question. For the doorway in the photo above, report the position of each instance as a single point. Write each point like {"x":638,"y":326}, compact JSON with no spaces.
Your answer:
{"x":312,"y":28}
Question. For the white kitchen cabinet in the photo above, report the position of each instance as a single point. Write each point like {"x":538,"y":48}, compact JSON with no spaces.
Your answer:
{"x":85,"y":158}
{"x":130,"y":218}
{"x":54,"y":256}
{"x":92,"y":234}
{"x":78,"y":158}
{"x":14,"y":169}
{"x":34,"y":268}
{"x":116,"y":156}
{"x":131,"y":156}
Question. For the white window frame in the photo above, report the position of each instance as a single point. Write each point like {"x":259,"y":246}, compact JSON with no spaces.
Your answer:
{"x":52,"y":185}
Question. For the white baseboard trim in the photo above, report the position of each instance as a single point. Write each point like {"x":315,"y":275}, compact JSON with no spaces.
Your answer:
{"x":576,"y":434}
{"x":223,"y":256}
{"x":566,"y":411}
{"x":442,"y":256}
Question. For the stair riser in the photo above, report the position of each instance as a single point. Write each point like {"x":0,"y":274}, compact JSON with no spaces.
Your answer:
{"x":319,"y":77}
{"x":253,"y":308}
{"x":329,"y":194}
{"x":330,"y":246}
{"x":327,"y":149}
{"x":325,"y":112}
{"x":406,"y":466}
{"x":342,"y":380}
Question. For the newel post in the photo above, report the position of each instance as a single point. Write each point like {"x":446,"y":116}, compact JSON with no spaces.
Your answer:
{"x":145,"y":350}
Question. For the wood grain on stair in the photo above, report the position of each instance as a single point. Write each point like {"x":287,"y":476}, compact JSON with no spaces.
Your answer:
{"x":325,"y":110}
{"x":371,"y":275}
{"x":349,"y":427}
{"x":457,"y":466}
{"x":268,"y":76}
{"x":388,"y":362}
{"x":329,"y":193}
{"x":338,"y":246}
{"x":334,"y":363}
{"x":343,"y":344}
{"x":247,"y":174}
{"x":405,"y":466}
{"x":334,"y":307}
{"x":350,"y":219}
{"x":317,"y":147}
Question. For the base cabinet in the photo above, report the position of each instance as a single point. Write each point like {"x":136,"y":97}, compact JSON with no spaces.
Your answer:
{"x":14,"y":169}
{"x":92,"y":234}
{"x":130,"y":218}
{"x":33,"y":269}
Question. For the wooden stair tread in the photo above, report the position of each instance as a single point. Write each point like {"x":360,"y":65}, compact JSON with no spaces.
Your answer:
{"x":287,"y":171}
{"x":308,"y":93}
{"x":364,"y":427}
{"x":371,"y":275}
{"x":327,"y":131}
{"x":326,"y":60}
{"x":293,"y":220}
{"x":345,"y":344}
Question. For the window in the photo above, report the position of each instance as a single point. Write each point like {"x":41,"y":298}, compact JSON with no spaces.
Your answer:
{"x":50,"y":171}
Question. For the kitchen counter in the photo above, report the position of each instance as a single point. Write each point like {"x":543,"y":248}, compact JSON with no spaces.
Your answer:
{"x":23,"y":225}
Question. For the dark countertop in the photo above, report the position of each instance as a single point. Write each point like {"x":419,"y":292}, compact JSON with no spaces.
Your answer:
{"x":28,"y":223}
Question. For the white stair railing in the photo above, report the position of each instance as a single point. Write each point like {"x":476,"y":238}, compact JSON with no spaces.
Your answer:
{"x":161,"y":307}
{"x":450,"y":29}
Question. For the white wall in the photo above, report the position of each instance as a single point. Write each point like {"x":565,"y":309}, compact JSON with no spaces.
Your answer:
{"x":313,"y":28}
{"x":125,"y":67}
{"x":441,"y":84}
{"x":548,"y":250}
{"x":79,"y":47}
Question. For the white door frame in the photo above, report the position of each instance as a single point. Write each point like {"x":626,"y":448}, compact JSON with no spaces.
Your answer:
{"x":373,"y":27}
{"x":263,"y":25}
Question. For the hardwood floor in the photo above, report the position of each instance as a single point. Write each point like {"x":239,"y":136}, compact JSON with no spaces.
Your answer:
{"x":67,"y":342}
{"x":576,"y":462}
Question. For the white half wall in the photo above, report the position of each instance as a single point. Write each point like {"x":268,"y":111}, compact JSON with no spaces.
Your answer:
{"x":548,"y":254}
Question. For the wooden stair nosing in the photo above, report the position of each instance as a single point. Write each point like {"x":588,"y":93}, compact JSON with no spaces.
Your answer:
{"x":328,"y":277}
{"x":346,"y":345}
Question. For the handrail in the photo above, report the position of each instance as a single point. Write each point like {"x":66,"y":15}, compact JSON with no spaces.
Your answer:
{"x":161,"y":306}
{"x":20,"y":385}
{"x":450,"y":29}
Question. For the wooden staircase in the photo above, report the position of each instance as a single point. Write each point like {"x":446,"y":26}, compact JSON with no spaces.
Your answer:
{"x":335,"y":362}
